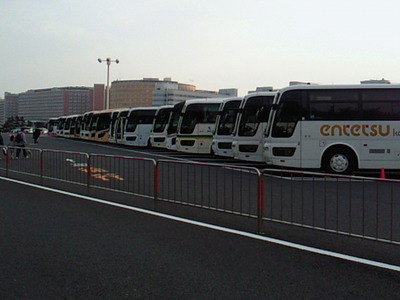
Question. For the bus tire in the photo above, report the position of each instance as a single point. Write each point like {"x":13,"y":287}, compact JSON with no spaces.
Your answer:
{"x":339,"y":160}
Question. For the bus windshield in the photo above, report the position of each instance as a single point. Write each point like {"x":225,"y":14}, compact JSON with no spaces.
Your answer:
{"x":100,"y":122}
{"x":161,"y":120}
{"x":139,"y":117}
{"x":198,"y":113}
{"x":174,"y":120}
{"x":86,"y":121}
{"x":256,"y":110}
{"x":228,"y":118}
{"x":114,"y":118}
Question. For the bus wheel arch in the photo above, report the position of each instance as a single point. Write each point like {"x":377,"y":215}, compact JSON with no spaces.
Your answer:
{"x":339,"y":159}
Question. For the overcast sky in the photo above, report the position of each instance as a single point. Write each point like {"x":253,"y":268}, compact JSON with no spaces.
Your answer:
{"x":212,"y":44}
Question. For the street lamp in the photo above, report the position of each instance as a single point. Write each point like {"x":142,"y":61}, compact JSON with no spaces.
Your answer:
{"x":108,"y":61}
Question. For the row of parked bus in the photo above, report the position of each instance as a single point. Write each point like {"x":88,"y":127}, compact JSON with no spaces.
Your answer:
{"x":337,"y":128}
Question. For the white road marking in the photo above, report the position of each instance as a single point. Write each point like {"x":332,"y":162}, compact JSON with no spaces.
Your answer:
{"x":220,"y":228}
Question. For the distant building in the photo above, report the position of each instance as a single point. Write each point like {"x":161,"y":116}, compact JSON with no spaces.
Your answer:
{"x":376,"y":81}
{"x":155,"y":92}
{"x":10,"y":105}
{"x":262,"y":89}
{"x":97,"y":97}
{"x":228,"y":92}
{"x":42,"y":104}
{"x":2,"y":112}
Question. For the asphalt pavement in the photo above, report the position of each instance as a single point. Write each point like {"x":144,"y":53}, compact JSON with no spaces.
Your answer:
{"x":60,"y":246}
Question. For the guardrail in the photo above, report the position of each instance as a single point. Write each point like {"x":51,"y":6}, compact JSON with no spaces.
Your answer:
{"x":65,"y":166}
{"x":351,"y":205}
{"x":30,"y":156}
{"x":355,"y":206}
{"x":134,"y":175}
{"x":226,"y":188}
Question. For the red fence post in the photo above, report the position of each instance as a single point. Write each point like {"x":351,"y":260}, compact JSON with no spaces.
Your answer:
{"x":88,"y":173}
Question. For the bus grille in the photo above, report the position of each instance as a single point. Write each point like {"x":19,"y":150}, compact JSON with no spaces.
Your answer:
{"x":248,"y":148}
{"x":225,"y":145}
{"x":283,"y":151}
{"x":188,"y":143}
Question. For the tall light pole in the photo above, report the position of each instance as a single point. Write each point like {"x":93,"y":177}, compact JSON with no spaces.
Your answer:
{"x":108,"y":61}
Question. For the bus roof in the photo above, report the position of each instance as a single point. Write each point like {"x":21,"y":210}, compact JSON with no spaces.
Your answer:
{"x":116,"y":110}
{"x":144,"y":108}
{"x":74,"y":116}
{"x":232,"y":99}
{"x":339,"y":87}
{"x":204,"y":100}
{"x":104,"y":111}
{"x":164,"y":107}
{"x":255,"y":94}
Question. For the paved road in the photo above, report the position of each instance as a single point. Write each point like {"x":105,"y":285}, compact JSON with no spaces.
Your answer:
{"x":56,"y":246}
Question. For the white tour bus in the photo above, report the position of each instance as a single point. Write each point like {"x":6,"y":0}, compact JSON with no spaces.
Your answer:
{"x":70,"y":125}
{"x":197,"y":124}
{"x":52,"y":126}
{"x":116,"y":116}
{"x":158,"y":136}
{"x":138,"y":124}
{"x":336,"y":128}
{"x":172,"y":129}
{"x":76,"y":126}
{"x":61,"y":125}
{"x":224,"y":127}
{"x":84,"y":132}
{"x":251,"y":124}
{"x":119,"y":127}
{"x":113,"y":121}
{"x":99,"y":125}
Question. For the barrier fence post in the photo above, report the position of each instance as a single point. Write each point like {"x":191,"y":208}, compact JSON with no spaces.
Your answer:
{"x":88,"y":173}
{"x":7,"y":160}
{"x":41,"y":166}
{"x":155,"y":185}
{"x":260,"y":203}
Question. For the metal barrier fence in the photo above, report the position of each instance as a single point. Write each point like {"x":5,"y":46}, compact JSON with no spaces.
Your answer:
{"x":219,"y":187}
{"x":22,"y":160}
{"x":65,"y":166}
{"x":126,"y":174}
{"x":355,"y":206}
{"x":350,"y":205}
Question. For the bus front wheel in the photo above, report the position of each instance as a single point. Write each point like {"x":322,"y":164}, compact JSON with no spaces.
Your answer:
{"x":339,"y":160}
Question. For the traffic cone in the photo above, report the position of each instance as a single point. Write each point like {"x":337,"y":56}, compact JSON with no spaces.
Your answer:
{"x":382,"y":174}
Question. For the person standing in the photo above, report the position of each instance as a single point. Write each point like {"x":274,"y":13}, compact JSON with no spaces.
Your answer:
{"x":2,"y":145}
{"x":20,"y":142}
{"x":11,"y":145}
{"x":36,"y":135}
